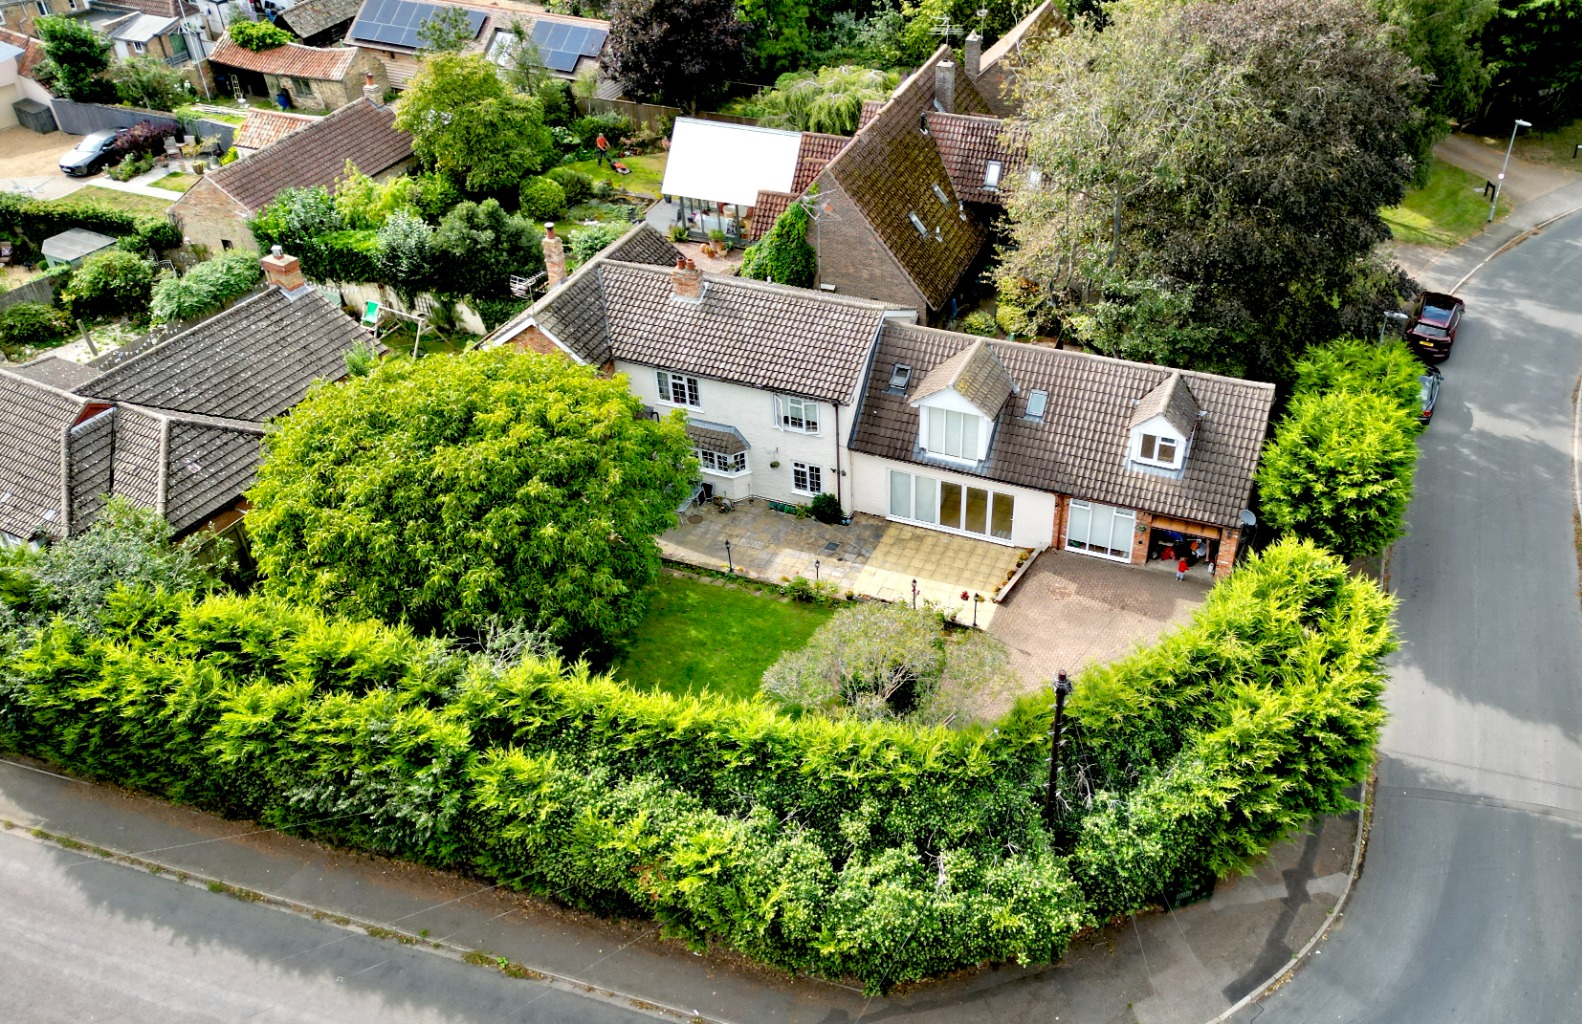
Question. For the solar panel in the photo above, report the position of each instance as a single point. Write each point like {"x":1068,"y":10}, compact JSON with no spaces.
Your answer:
{"x":396,"y":22}
{"x":560,"y":45}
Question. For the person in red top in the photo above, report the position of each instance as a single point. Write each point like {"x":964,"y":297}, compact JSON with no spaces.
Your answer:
{"x":1181,"y":569}
{"x":603,"y":146}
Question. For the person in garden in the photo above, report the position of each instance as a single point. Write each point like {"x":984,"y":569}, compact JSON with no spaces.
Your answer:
{"x":602,"y":144}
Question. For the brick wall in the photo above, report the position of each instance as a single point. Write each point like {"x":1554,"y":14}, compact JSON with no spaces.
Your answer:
{"x":1058,"y":537}
{"x":208,"y":216}
{"x":1140,"y":535}
{"x":534,"y":340}
{"x":852,"y":257}
{"x":1228,"y":544}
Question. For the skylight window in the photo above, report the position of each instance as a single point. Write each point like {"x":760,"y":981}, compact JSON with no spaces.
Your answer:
{"x":939,"y":193}
{"x":1035,"y":177}
{"x":917,"y":222}
{"x":900,"y":377}
{"x":992,"y":169}
{"x":1036,"y":403}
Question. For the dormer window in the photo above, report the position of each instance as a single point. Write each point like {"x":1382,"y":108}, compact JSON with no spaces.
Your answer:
{"x":939,"y":194}
{"x":954,"y":434}
{"x":917,"y":222}
{"x":992,"y":169}
{"x":899,"y":377}
{"x":922,"y":123}
{"x":1154,"y":448}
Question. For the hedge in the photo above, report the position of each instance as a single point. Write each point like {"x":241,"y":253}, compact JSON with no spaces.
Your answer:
{"x":880,"y":852}
{"x":36,"y":220}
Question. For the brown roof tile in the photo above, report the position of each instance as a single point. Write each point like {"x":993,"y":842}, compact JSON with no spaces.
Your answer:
{"x":967,"y":142}
{"x":362,"y":132}
{"x":264,"y":128}
{"x":766,"y":211}
{"x":975,"y":374}
{"x":815,"y":151}
{"x":715,"y":437}
{"x":293,"y":59}
{"x":310,"y":17}
{"x":1080,"y":445}
{"x":32,"y":51}
{"x":1172,"y":399}
{"x":1044,"y":20}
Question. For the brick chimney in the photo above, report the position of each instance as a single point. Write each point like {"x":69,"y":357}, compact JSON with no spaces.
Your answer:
{"x":371,"y":91}
{"x":972,"y":56}
{"x":686,"y":281}
{"x":945,"y":86}
{"x":554,"y":257}
{"x":283,"y":271}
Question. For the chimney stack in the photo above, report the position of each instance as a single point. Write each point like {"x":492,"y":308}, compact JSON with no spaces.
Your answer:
{"x":283,"y":271}
{"x":686,"y":281}
{"x":945,"y":86}
{"x":973,"y":56}
{"x":554,"y":257}
{"x":371,"y":91}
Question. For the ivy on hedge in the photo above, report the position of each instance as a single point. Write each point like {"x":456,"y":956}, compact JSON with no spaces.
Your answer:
{"x":36,"y":220}
{"x":881,"y":852}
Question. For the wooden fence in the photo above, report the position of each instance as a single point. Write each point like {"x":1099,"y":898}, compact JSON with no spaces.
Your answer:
{"x":37,"y":290}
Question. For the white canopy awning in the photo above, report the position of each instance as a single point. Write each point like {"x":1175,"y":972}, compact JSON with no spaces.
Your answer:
{"x":719,"y":162}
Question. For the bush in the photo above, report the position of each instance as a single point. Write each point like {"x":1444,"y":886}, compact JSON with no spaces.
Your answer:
{"x":145,"y":137}
{"x":110,"y":283}
{"x":343,"y":256}
{"x":495,"y":312}
{"x":588,"y":242}
{"x":1358,"y":366}
{"x":205,"y":288}
{"x":131,"y":167}
{"x":406,"y":253}
{"x":435,"y":195}
{"x":783,"y":255}
{"x":826,"y":508}
{"x":980,"y":323}
{"x":577,"y":186}
{"x":543,"y":199}
{"x":679,"y":233}
{"x":31,"y":323}
{"x":34,"y":221}
{"x":258,"y":35}
{"x":614,"y":127}
{"x":150,"y":83}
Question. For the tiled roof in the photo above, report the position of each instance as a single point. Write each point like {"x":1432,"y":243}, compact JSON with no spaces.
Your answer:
{"x":361,"y":131}
{"x":975,"y":374}
{"x":163,"y":8}
{"x":1172,"y":399}
{"x":293,"y":59}
{"x":1080,"y":445}
{"x":816,"y":150}
{"x":1045,"y":19}
{"x":90,"y":451}
{"x":761,"y":335}
{"x":714,"y":437}
{"x":56,"y":372}
{"x":264,"y":128}
{"x":32,"y":51}
{"x":34,"y":421}
{"x":311,"y":17}
{"x":766,"y":211}
{"x":893,"y":172}
{"x":643,"y":244}
{"x":967,"y":142}
{"x":250,"y":362}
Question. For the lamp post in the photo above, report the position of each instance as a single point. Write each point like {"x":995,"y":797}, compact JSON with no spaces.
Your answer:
{"x":1500,"y":181}
{"x":1389,"y":315}
{"x":914,"y":593}
{"x":1052,"y":794}
{"x":815,"y":570}
{"x":730,"y":565}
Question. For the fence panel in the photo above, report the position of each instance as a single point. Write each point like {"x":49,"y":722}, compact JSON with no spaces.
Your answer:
{"x":37,"y":290}
{"x":86,"y":118}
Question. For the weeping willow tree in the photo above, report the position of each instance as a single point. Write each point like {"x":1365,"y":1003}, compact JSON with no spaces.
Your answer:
{"x":829,"y":100}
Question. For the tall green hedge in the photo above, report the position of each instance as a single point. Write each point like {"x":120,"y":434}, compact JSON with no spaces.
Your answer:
{"x":880,"y":852}
{"x":36,"y":220}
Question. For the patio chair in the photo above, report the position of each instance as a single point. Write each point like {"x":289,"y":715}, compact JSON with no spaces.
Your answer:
{"x":7,"y":254}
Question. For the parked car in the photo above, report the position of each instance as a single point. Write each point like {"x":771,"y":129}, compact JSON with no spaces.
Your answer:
{"x":91,"y":154}
{"x":1428,"y":385}
{"x":1431,"y":329}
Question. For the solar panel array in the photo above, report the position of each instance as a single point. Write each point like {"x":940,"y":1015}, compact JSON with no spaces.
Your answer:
{"x":395,"y":22}
{"x":560,"y":45}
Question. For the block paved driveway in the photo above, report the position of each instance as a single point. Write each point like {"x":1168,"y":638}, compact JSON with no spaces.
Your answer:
{"x":1073,"y":610}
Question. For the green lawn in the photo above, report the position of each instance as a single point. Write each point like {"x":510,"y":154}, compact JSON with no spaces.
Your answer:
{"x":1447,"y":211}
{"x":130,"y":202}
{"x":647,"y":173}
{"x":176,"y":181}
{"x":700,"y":635}
{"x":1553,"y":147}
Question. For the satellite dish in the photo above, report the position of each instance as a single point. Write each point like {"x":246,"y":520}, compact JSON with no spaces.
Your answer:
{"x":1247,"y":518}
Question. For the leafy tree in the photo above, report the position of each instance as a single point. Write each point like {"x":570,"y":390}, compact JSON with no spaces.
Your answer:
{"x":592,"y":240}
{"x":110,"y":283}
{"x":1442,"y":38}
{"x":779,"y":33}
{"x":1533,"y":59}
{"x":295,"y":217}
{"x":1339,"y":471}
{"x":1211,"y":177}
{"x":478,"y":246}
{"x":149,"y":82}
{"x":1360,"y":367}
{"x":674,"y":51}
{"x":445,"y":31}
{"x":543,"y":199}
{"x":205,"y":288}
{"x":827,"y":100}
{"x":74,"y":57}
{"x":874,"y":661}
{"x":783,"y":254}
{"x":406,"y":253}
{"x":31,"y":323}
{"x":468,"y":124}
{"x":258,"y":35}
{"x":449,"y":492}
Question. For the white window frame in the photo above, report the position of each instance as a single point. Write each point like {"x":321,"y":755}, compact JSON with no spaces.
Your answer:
{"x":1149,"y":445}
{"x":917,"y":222}
{"x":720,"y":464}
{"x":1116,"y":513}
{"x":942,"y":417}
{"x":993,"y":171}
{"x":139,"y":48}
{"x":797,"y":415}
{"x":43,"y":7}
{"x":933,"y":514}
{"x":807,"y":478}
{"x":667,"y":382}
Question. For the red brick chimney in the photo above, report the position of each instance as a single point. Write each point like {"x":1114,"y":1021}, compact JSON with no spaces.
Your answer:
{"x":283,"y":271}
{"x":554,"y":257}
{"x":371,"y":91}
{"x":686,"y":281}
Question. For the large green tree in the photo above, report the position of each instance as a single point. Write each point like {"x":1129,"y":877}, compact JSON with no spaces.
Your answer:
{"x":674,"y":51}
{"x":74,"y":57}
{"x":466,"y":122}
{"x":1211,"y":176}
{"x":453,"y":491}
{"x":827,"y":100}
{"x":1535,"y":59}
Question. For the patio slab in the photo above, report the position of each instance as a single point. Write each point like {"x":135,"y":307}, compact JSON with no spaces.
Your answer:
{"x":872,"y":557}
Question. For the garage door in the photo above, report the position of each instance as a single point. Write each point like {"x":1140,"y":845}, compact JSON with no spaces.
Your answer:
{"x":1102,"y":530}
{"x":8,"y":96}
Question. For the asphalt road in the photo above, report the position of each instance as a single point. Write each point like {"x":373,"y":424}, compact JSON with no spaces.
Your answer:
{"x":84,"y":940}
{"x":1469,"y":908}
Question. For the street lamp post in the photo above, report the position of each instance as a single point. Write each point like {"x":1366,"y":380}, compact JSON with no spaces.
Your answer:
{"x":730,"y":565}
{"x":1389,"y":315}
{"x":1500,"y":182}
{"x":1052,"y":794}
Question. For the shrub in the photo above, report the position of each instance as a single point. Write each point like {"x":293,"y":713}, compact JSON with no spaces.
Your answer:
{"x":826,"y":508}
{"x":828,"y":100}
{"x":258,"y":35}
{"x":592,"y":240}
{"x":435,"y":195}
{"x":145,"y":137}
{"x":478,"y":246}
{"x":543,"y":199}
{"x":679,"y":233}
{"x":31,"y":323}
{"x":74,"y":56}
{"x":150,"y":83}
{"x":406,"y":253}
{"x":495,"y":312}
{"x":614,"y":127}
{"x":783,"y":255}
{"x":343,"y":256}
{"x":980,"y":323}
{"x":577,"y":186}
{"x":205,"y":288}
{"x":35,"y":221}
{"x":110,"y":283}
{"x":1357,"y":366}
{"x":132,"y":166}
{"x":602,"y":189}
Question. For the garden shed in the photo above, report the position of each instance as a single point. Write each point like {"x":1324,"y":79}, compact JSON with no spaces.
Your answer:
{"x":716,"y":170}
{"x":72,"y":247}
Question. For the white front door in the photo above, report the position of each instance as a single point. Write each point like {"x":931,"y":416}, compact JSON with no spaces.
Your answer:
{"x":1102,"y":530}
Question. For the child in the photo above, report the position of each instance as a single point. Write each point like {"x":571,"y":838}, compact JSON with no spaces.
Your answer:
{"x":1181,"y":568}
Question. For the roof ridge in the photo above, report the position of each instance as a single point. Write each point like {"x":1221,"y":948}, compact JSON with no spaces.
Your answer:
{"x":791,"y":291}
{"x":42,"y":386}
{"x":116,"y":371}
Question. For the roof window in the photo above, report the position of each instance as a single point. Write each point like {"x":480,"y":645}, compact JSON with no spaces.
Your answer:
{"x":917,"y":222}
{"x":900,"y":377}
{"x":1035,"y":177}
{"x":1035,"y":405}
{"x":992,"y":169}
{"x":939,"y":194}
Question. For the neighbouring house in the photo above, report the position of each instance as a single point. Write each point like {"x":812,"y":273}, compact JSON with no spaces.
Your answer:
{"x":793,"y":392}
{"x":175,"y":428}
{"x":716,"y":171}
{"x":311,"y":78}
{"x":814,"y":151}
{"x":993,"y":71}
{"x":151,"y":35}
{"x":565,"y":47}
{"x":263,"y":128}
{"x":215,"y":211}
{"x":19,"y":55}
{"x":319,"y":22}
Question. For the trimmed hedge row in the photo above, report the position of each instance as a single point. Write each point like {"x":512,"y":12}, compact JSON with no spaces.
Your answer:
{"x":874,"y":851}
{"x":36,"y":220}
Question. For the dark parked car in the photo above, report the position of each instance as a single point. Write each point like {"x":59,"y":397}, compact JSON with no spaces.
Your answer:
{"x":1428,"y":385}
{"x":91,"y":154}
{"x":1431,"y":330}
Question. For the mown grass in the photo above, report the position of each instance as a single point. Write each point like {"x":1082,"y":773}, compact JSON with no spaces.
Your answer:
{"x":648,"y":172}
{"x":176,"y":181}
{"x":1552,"y":147}
{"x":706,"y":636}
{"x":1447,"y":211}
{"x":129,"y":202}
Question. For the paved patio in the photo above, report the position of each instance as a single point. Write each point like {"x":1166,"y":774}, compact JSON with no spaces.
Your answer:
{"x":872,"y":556}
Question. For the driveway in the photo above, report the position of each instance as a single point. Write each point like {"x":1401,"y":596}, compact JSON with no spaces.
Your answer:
{"x":30,"y":163}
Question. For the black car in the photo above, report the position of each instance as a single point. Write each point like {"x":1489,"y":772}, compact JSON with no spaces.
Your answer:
{"x":1428,"y":385}
{"x":1431,"y":329}
{"x":91,"y":154}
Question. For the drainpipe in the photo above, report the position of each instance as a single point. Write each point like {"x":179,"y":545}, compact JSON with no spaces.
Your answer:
{"x":838,"y":497}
